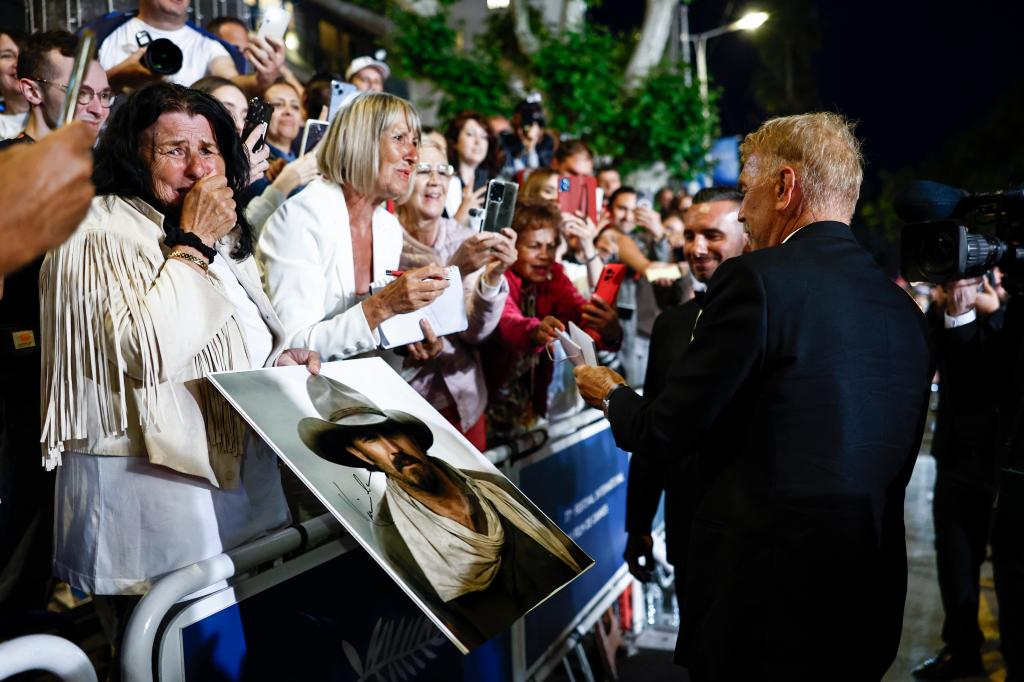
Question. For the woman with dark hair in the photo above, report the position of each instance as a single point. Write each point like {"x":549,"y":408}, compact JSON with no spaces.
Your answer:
{"x":157,"y":288}
{"x":474,"y":151}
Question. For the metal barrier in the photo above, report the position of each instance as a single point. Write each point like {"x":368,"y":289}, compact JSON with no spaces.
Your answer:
{"x":48,"y":653}
{"x":144,"y":624}
{"x":169,"y":599}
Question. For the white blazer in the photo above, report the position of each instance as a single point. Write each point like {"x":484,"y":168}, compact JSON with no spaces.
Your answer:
{"x":308,"y":271}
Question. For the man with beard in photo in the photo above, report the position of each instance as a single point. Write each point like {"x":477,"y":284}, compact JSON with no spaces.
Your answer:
{"x":468,"y":542}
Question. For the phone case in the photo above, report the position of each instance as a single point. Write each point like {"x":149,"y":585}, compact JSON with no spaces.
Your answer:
{"x":259,"y":113}
{"x":275,"y":23}
{"x":609,"y":281}
{"x":340,"y":92}
{"x":607,"y":289}
{"x":312,"y":134}
{"x":578,"y":194}
{"x":500,"y":206}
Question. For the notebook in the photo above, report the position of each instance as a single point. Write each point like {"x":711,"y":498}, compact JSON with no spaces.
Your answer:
{"x":446,"y":315}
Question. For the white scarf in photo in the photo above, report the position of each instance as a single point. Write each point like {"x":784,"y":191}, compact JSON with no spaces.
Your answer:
{"x":455,"y":559}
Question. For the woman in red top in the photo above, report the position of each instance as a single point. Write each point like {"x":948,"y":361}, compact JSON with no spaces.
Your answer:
{"x":541,"y":301}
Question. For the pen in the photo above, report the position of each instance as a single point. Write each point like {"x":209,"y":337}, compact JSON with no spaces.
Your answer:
{"x":399,"y":273}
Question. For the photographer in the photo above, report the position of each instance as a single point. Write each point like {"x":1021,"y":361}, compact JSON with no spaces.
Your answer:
{"x":976,"y":355}
{"x":527,"y":145}
{"x":124,"y":55}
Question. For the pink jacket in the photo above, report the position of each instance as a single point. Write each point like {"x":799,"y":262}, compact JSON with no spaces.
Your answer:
{"x":557,"y":297}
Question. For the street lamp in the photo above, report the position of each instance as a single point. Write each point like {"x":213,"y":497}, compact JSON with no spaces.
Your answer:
{"x":748,"y":22}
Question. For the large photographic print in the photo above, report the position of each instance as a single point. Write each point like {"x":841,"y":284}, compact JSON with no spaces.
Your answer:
{"x":466,"y":545}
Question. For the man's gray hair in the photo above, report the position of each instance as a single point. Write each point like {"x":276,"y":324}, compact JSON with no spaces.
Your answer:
{"x":823,"y":151}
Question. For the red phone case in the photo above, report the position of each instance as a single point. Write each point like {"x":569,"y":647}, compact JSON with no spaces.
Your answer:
{"x":608,"y":283}
{"x":578,"y":194}
{"x":608,"y":289}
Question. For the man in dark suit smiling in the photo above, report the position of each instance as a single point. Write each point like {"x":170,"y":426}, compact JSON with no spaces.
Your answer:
{"x":712,"y":234}
{"x":802,"y":397}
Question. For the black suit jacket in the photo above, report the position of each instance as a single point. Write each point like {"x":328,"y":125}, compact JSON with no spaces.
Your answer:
{"x":802,"y":398}
{"x":649,"y":476}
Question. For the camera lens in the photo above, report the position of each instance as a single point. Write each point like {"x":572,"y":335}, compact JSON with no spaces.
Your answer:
{"x":163,"y":57}
{"x":938,"y":256}
{"x":497,"y":193}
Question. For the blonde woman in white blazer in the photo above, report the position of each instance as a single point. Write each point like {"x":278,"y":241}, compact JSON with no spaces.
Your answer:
{"x":323,"y":247}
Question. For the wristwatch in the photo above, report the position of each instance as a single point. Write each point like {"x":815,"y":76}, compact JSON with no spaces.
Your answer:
{"x":606,"y":401}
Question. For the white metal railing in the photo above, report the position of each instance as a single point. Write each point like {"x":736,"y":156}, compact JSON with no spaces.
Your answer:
{"x":144,"y":624}
{"x":48,"y":653}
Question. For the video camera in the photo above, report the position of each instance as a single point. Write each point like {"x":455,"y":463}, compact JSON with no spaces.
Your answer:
{"x":952,"y":234}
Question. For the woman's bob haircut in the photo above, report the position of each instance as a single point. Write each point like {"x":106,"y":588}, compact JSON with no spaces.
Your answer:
{"x":350,"y":153}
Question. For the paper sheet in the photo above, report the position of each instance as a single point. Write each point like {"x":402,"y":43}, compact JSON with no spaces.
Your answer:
{"x":446,"y":315}
{"x":586,"y":344}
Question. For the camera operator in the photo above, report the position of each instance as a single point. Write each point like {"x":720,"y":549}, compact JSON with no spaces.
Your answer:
{"x":976,"y":355}
{"x":122,"y":48}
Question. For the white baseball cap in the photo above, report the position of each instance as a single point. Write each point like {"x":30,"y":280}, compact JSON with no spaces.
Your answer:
{"x":360,"y":63}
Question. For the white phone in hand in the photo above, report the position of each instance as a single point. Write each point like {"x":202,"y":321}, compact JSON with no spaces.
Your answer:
{"x":275,"y":23}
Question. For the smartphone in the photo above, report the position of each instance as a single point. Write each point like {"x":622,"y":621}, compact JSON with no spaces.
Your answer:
{"x":608,"y":283}
{"x":259,"y":114}
{"x":275,"y":23}
{"x":500,"y":205}
{"x":311,"y":136}
{"x":578,"y":194}
{"x":340,"y":93}
{"x":644,"y":199}
{"x":84,"y":55}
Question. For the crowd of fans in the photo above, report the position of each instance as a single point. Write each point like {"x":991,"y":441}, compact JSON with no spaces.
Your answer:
{"x":203,"y":251}
{"x":211,"y":246}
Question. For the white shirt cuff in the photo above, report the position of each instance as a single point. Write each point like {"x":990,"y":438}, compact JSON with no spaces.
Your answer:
{"x":960,"y":320}
{"x":489,"y":292}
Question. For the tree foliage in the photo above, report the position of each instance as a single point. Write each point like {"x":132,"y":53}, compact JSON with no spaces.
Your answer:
{"x":580,"y":75}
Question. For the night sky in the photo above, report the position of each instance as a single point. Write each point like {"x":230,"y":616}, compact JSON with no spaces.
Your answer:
{"x":913,"y":73}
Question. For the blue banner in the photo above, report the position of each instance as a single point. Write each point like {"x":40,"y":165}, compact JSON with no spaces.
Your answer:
{"x":583,"y":489}
{"x":343,"y":620}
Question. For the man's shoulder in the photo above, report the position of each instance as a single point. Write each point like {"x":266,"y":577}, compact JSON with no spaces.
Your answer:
{"x":678,"y":316}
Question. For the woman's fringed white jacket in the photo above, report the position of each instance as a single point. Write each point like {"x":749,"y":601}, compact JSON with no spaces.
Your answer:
{"x":127,"y":337}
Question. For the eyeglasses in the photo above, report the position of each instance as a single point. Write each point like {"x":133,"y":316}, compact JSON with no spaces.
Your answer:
{"x":445,"y":170}
{"x":86,"y":94}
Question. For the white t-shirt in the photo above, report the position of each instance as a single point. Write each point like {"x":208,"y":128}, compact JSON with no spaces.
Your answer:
{"x":197,"y":49}
{"x":11,"y":125}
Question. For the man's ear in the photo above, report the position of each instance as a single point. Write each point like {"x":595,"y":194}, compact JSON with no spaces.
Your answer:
{"x":785,"y":188}
{"x":31,"y":91}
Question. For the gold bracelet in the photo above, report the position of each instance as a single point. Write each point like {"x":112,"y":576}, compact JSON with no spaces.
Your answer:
{"x":190,"y":258}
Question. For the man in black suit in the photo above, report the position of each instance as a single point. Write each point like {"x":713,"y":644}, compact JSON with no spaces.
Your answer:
{"x":712,"y":233}
{"x":802,"y":397}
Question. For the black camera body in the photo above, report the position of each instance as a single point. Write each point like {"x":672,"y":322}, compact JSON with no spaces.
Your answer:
{"x":952,"y":234}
